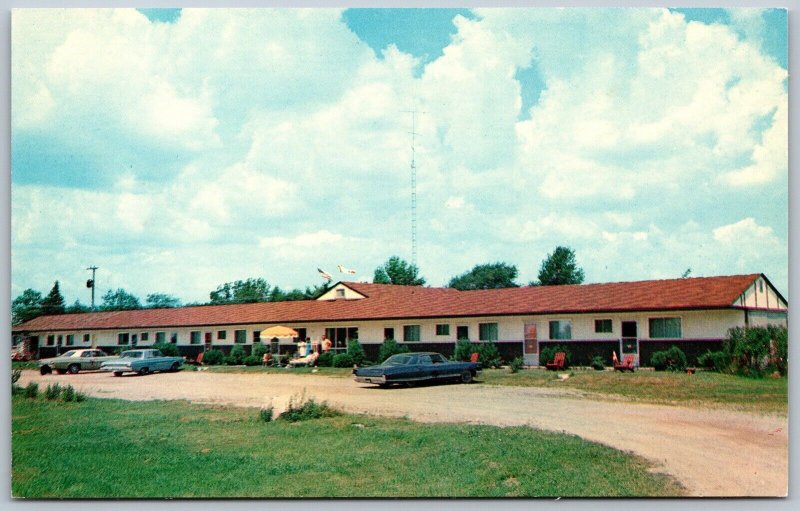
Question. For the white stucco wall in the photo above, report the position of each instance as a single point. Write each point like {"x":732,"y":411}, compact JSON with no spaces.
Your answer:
{"x":762,"y":296}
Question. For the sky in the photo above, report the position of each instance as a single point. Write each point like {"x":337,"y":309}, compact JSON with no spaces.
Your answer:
{"x":180,"y":149}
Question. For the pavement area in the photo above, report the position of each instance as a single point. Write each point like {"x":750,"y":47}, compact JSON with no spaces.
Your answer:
{"x":712,"y":452}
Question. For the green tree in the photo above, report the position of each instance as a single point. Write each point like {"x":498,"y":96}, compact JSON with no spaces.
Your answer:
{"x":26,"y":306}
{"x":560,"y":268}
{"x":397,"y":271}
{"x":53,"y":303}
{"x":486,"y":276}
{"x":77,"y":308}
{"x":241,"y":291}
{"x":119,"y":300}
{"x":161,"y":301}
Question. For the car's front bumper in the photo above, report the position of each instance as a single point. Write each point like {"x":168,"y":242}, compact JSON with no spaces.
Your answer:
{"x":380,"y":380}
{"x":116,"y":368}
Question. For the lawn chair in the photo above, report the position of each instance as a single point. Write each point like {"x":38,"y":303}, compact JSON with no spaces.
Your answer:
{"x":197,"y":361}
{"x":626,"y":365}
{"x":558,"y":362}
{"x":474,"y":357}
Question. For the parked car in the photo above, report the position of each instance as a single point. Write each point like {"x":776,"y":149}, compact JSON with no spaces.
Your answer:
{"x":142,"y":362}
{"x":410,"y":368}
{"x":74,"y":361}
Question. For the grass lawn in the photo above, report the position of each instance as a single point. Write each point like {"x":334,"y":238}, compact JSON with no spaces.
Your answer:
{"x":108,"y":448}
{"x":766,"y":395}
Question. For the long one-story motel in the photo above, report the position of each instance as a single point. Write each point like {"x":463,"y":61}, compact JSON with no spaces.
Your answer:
{"x":593,"y":319}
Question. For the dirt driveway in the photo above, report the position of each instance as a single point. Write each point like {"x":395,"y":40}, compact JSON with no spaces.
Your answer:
{"x":711,"y":452}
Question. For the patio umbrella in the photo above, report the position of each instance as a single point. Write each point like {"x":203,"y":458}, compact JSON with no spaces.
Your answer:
{"x":279,"y":332}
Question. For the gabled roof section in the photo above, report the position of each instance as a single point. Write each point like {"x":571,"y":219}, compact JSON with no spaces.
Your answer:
{"x":385,"y":302}
{"x":341,"y":290}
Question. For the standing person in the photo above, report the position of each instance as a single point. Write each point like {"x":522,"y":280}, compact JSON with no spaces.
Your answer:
{"x":326,"y":344}
{"x":308,"y":347}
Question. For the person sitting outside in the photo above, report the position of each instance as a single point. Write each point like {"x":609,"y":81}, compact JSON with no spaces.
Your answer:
{"x":308,"y":360}
{"x":266,"y":359}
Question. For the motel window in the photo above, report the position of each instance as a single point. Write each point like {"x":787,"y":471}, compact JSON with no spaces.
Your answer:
{"x":602,"y":326}
{"x":194,"y":337}
{"x":388,"y":333}
{"x":145,"y":336}
{"x":462,"y":332}
{"x":256,"y":336}
{"x":70,"y":339}
{"x":442,"y":329}
{"x":87,"y":337}
{"x":339,"y":336}
{"x":301,"y":334}
{"x":240,"y":336}
{"x":60,"y":340}
{"x":173,"y":337}
{"x":561,"y":329}
{"x":411,"y":333}
{"x":51,"y":339}
{"x":161,"y":337}
{"x":222,"y":335}
{"x":134,"y":339}
{"x":665,"y":328}
{"x":487,"y":331}
{"x":123,"y":338}
{"x":340,"y":293}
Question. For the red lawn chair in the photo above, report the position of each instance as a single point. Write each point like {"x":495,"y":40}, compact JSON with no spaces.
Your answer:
{"x":558,"y":362}
{"x":626,"y":365}
{"x":473,"y":357}
{"x":196,"y":362}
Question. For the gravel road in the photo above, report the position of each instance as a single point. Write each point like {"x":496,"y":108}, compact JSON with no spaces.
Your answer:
{"x":711,"y":452}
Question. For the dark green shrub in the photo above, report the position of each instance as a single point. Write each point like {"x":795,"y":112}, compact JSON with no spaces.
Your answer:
{"x":16,"y":374}
{"x":32,"y":390}
{"x":516,"y":364}
{"x":252,"y":360}
{"x":488,"y":355}
{"x":213,"y":357}
{"x":342,"y":360}
{"x":356,"y":352}
{"x":80,"y":397}
{"x":266,"y":414}
{"x":259,"y":349}
{"x":52,"y":392}
{"x":307,"y":410}
{"x":548,"y":353}
{"x":390,"y":347}
{"x":672,"y":359}
{"x":598,"y":364}
{"x":325,"y":359}
{"x":68,"y":394}
{"x":236,"y":356}
{"x":779,"y":351}
{"x":715,"y":361}
{"x":464,"y":350}
{"x":167,"y":349}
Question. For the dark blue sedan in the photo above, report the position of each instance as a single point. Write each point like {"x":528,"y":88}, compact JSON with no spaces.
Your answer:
{"x":410,"y":368}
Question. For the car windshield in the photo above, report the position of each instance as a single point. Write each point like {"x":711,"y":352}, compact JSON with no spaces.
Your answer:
{"x":132,"y":354}
{"x":398,"y":360}
{"x":70,"y":353}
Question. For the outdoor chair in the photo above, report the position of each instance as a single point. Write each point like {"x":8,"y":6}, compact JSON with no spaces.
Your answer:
{"x":558,"y":362}
{"x":197,"y":361}
{"x":626,"y":365}
{"x":473,"y":357}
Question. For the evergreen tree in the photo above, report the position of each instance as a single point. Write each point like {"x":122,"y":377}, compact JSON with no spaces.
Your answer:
{"x":26,"y":306}
{"x":560,"y":268}
{"x":397,"y":271}
{"x":53,"y":303}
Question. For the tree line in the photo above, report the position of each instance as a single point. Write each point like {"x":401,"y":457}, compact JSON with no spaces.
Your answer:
{"x":559,"y":267}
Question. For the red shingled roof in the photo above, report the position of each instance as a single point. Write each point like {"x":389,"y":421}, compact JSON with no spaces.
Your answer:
{"x":394,"y":302}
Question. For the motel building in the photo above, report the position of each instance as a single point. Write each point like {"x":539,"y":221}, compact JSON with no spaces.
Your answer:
{"x":635,"y":318}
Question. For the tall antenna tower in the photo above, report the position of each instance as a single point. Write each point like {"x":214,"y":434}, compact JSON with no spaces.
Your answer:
{"x":413,"y":134}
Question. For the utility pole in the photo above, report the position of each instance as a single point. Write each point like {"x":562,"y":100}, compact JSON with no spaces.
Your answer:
{"x":91,"y":283}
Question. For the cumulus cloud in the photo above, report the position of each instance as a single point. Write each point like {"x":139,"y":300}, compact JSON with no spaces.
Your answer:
{"x":275,"y":141}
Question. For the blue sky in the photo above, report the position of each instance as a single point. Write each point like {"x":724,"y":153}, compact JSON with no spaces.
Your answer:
{"x":180,"y":149}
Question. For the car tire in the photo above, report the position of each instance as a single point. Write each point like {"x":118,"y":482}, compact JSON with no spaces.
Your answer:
{"x":175,"y":367}
{"x":61,"y":371}
{"x":143,"y":371}
{"x":466,"y":377}
{"x":117,"y":373}
{"x":45,"y":370}
{"x":74,"y":369}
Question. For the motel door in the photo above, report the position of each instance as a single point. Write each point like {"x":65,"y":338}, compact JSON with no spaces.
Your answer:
{"x":629,"y":344}
{"x":208,"y":338}
{"x":531,"y":349}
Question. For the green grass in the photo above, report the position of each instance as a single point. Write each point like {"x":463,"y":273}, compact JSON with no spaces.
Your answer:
{"x":19,"y":364}
{"x":705,"y":388}
{"x":108,"y":448}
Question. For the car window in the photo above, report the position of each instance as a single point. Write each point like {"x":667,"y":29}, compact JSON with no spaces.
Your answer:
{"x":70,"y":353}
{"x":156,"y":353}
{"x":86,"y":354}
{"x":438,"y":358}
{"x":131,"y":354}
{"x":398,"y":360}
{"x":425,"y":359}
